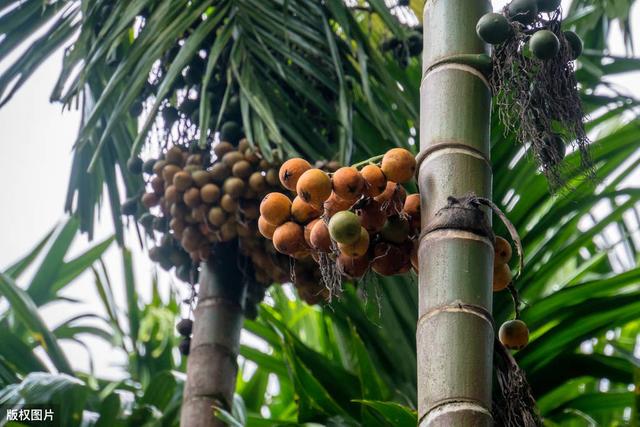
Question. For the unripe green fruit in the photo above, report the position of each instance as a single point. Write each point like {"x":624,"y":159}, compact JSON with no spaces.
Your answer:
{"x":575,"y":43}
{"x":230,"y":132}
{"x":146,"y":220}
{"x":344,"y":227}
{"x":395,"y":230}
{"x":523,"y":11}
{"x":185,"y":346}
{"x":130,"y":206}
{"x":134,"y":165}
{"x":493,"y":28}
{"x":544,"y":44}
{"x":147,"y":167}
{"x":185,"y":327}
{"x":166,"y":264}
{"x":160,"y":223}
{"x":183,"y":273}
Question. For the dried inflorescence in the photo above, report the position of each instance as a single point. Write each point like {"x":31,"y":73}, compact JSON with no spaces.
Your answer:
{"x":513,"y":404}
{"x":536,"y":91}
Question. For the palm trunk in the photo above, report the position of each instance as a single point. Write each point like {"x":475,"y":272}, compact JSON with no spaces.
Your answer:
{"x":212,"y":366}
{"x":454,"y":332}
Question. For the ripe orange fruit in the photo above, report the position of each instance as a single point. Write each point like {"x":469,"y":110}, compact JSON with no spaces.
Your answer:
{"x":191,"y":238}
{"x":501,"y":277}
{"x":217,"y":216}
{"x":169,"y":171}
{"x":266,"y":229}
{"x":307,"y":230}
{"x":389,"y":259}
{"x":174,"y":156}
{"x":302,"y":212}
{"x":359,"y":248}
{"x":348,"y":183}
{"x":375,"y":181}
{"x":251,"y":156}
{"x":352,"y":267}
{"x":158,"y":166}
{"x":171,"y":195}
{"x":242,"y":169}
{"x":231,"y":158}
{"x":514,"y":334}
{"x":223,"y":148}
{"x":229,"y":204}
{"x":372,"y":217}
{"x":192,"y":159}
{"x":502,"y":250}
{"x":288,"y":238}
{"x":219,"y":172}
{"x":335,"y":204}
{"x":210,"y":193}
{"x":275,"y":208}
{"x":291,"y":171}
{"x":157,"y":184}
{"x":314,"y":186}
{"x":412,"y":210}
{"x":182,"y":180}
{"x":393,"y":198}
{"x":191,"y":197}
{"x":177,"y":226}
{"x":271,"y":177}
{"x":320,"y":238}
{"x":257,"y":182}
{"x":398,"y":165}
{"x":201,"y":178}
{"x":150,"y":200}
{"x":233,"y":186}
{"x":243,"y":144}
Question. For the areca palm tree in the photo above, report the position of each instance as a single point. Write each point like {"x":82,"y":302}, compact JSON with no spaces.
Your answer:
{"x":312,"y":80}
{"x":327,"y":69}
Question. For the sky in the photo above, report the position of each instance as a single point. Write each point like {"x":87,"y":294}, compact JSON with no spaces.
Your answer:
{"x":37,"y":140}
{"x":36,"y":161}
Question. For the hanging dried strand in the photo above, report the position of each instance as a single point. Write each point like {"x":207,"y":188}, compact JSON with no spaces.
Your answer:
{"x":513,"y":402}
{"x":538,"y":100}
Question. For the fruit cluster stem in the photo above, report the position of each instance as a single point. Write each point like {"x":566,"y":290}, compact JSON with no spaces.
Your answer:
{"x":371,"y":161}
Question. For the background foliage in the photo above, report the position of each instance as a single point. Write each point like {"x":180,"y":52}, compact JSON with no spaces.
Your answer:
{"x":350,"y":363}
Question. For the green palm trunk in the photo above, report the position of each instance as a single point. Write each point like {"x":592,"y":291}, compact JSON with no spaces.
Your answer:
{"x":212,"y":367}
{"x":454,"y":332}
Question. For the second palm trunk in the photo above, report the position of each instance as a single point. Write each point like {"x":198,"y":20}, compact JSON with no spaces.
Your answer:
{"x":455,"y":332}
{"x":212,"y":366}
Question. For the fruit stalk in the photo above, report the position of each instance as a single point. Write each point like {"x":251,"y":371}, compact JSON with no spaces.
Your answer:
{"x":212,"y":368}
{"x":454,"y":333}
{"x":373,"y":160}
